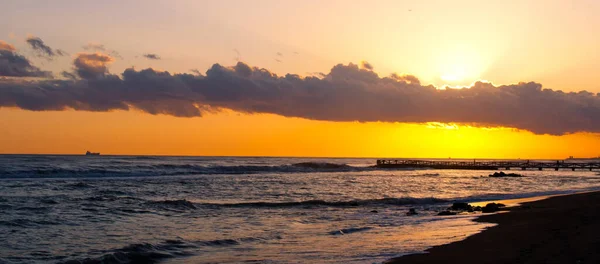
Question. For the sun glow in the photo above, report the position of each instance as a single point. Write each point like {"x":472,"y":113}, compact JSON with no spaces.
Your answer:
{"x":460,"y":66}
{"x":451,"y":77}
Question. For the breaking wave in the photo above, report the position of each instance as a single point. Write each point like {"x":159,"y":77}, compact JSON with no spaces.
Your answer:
{"x":173,"y":204}
{"x":140,"y":253}
{"x":168,"y":169}
{"x":350,"y":230}
{"x":311,"y":203}
{"x":154,"y":253}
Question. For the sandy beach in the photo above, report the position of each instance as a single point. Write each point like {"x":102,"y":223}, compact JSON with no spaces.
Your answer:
{"x":561,"y":229}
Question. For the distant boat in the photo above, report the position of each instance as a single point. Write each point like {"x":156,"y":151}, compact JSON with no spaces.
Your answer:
{"x":88,"y":153}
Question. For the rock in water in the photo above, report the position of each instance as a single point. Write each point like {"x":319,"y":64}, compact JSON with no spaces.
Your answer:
{"x":412,"y":211}
{"x":502,"y":174}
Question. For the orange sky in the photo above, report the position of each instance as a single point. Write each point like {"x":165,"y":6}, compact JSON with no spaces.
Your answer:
{"x":441,"y":42}
{"x":71,"y":132}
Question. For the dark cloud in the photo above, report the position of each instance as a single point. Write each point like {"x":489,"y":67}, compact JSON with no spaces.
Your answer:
{"x":151,"y":56}
{"x":68,"y":75}
{"x":346,"y":93}
{"x":405,"y":78}
{"x":6,"y":46}
{"x":15,"y":65}
{"x":43,"y":50}
{"x":61,"y":52}
{"x":238,"y":55}
{"x":38,"y":45}
{"x":92,"y":65}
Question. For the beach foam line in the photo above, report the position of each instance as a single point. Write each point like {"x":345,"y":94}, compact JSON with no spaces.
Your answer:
{"x":351,"y":203}
{"x":350,"y":230}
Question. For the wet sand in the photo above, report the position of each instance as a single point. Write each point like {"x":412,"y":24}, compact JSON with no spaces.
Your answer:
{"x":561,"y":229}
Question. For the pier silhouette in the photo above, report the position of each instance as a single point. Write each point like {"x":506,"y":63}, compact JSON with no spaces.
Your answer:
{"x":486,"y":165}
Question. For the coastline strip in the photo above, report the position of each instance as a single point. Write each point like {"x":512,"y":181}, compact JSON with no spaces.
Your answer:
{"x":559,"y":229}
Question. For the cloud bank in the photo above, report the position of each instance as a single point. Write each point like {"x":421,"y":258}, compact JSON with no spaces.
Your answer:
{"x":346,"y":93}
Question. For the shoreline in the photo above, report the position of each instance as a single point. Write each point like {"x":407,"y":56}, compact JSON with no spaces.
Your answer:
{"x":545,"y":229}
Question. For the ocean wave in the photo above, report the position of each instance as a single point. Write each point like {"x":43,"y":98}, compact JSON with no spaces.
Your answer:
{"x":313,"y":203}
{"x":170,"y":169}
{"x":322,"y":165}
{"x":153,"y":253}
{"x":173,"y":204}
{"x":140,"y":253}
{"x":27,"y":223}
{"x":78,"y":185}
{"x":350,"y":230}
{"x":107,"y":197}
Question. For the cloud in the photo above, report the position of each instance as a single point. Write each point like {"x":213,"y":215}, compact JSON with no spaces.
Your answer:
{"x":6,"y":46}
{"x":43,"y":50}
{"x":15,"y":65}
{"x":92,"y":65}
{"x":94,"y":47}
{"x":62,"y":52}
{"x":366,"y":65}
{"x":346,"y":93}
{"x":68,"y":75}
{"x":101,"y":47}
{"x":238,"y":55}
{"x":151,"y":56}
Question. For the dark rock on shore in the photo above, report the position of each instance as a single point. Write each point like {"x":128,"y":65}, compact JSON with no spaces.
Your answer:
{"x":446,"y":213}
{"x":502,"y":174}
{"x":457,"y":208}
{"x":461,"y":207}
{"x":492,"y":207}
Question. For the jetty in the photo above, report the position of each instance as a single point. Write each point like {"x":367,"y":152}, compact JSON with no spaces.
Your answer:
{"x":487,"y":165}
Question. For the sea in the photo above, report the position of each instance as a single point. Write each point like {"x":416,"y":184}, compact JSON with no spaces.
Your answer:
{"x":157,"y":209}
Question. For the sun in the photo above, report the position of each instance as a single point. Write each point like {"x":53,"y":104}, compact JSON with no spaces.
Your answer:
{"x":455,"y":72}
{"x":459,"y":66}
{"x":451,"y":78}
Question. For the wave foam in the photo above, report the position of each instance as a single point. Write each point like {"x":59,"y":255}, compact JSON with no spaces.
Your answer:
{"x":352,"y":203}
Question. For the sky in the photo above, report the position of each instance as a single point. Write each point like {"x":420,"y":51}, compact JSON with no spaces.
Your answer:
{"x":472,"y":79}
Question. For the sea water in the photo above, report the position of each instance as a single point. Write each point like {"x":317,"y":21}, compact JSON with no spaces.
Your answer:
{"x":146,"y":209}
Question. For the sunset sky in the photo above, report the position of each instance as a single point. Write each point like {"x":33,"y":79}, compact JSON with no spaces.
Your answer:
{"x":367,"y":79}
